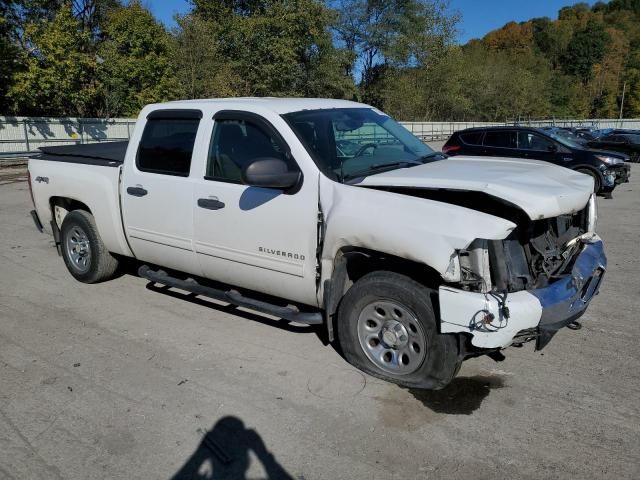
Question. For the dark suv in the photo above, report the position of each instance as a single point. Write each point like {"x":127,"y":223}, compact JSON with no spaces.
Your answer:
{"x":627,"y":143}
{"x":607,"y":168}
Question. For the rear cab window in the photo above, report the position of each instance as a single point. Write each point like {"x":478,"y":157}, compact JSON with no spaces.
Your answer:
{"x":167,"y":142}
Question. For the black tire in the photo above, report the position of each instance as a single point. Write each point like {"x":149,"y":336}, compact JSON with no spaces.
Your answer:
{"x":98,"y":265}
{"x":597,"y":183}
{"x":440,"y":361}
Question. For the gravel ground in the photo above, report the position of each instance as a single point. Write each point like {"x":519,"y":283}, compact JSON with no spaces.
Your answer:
{"x":120,"y":381}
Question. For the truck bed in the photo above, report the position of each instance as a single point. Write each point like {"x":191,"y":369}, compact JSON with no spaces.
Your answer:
{"x":107,"y":154}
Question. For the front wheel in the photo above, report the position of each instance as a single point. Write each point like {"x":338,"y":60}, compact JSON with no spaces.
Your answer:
{"x":84,"y":254}
{"x":387,"y":328}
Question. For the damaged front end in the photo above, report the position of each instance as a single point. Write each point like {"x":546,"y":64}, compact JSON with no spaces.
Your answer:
{"x":526,"y":286}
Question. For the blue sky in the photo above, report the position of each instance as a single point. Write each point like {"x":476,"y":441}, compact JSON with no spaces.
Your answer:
{"x":478,"y":16}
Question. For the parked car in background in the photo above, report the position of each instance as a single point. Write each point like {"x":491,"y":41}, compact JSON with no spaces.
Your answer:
{"x":614,"y":131}
{"x":581,"y":137}
{"x":627,"y":143}
{"x":606,"y":168}
{"x":586,"y":133}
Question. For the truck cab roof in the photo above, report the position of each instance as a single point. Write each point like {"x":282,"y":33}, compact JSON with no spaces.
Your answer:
{"x":274,"y":104}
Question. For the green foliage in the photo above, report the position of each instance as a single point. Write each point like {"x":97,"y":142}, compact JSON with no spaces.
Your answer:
{"x":134,"y":62}
{"x":59,"y":74}
{"x":201,"y":69}
{"x":265,"y":47}
{"x":110,"y":57}
{"x":383,"y":36}
{"x":586,"y":48}
{"x":9,"y":53}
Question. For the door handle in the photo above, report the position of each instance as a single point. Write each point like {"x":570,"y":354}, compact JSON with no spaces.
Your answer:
{"x":210,"y":203}
{"x":136,"y":191}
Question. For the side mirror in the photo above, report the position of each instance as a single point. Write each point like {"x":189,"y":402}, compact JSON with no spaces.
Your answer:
{"x":269,"y":172}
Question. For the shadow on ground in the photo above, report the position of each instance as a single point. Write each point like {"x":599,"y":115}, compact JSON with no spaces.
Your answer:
{"x":224,"y":451}
{"x":462,"y":396}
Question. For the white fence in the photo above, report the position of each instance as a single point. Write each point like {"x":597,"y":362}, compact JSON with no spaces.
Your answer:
{"x":27,"y":134}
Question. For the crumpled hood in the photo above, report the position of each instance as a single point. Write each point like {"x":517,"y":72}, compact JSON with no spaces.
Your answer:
{"x":540,"y":189}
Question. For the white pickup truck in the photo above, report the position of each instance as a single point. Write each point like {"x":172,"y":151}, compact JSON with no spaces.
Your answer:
{"x":329,"y":212}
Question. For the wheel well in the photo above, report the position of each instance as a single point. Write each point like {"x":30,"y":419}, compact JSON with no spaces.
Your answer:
{"x":65,"y":205}
{"x":351,"y":264}
{"x":589,"y":168}
{"x":360,"y":261}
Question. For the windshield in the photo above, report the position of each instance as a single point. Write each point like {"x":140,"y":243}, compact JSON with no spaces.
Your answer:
{"x":350,"y":142}
{"x":565,"y":140}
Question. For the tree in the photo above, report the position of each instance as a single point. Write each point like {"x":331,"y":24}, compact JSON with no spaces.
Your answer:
{"x":134,"y":62}
{"x":10,"y":59}
{"x":513,"y":37}
{"x":275,"y":47}
{"x":386,"y":35}
{"x":201,"y":68}
{"x":586,"y":48}
{"x":58,"y":78}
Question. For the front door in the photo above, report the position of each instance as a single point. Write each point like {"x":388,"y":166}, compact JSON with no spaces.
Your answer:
{"x":257,"y":238}
{"x":157,"y":193}
{"x":537,"y":147}
{"x":500,"y":143}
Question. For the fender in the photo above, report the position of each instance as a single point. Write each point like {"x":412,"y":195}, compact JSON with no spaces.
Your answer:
{"x":420,"y":230}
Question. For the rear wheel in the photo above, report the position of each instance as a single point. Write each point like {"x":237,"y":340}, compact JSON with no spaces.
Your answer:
{"x":84,"y":254}
{"x":597,"y":183}
{"x":387,"y":328}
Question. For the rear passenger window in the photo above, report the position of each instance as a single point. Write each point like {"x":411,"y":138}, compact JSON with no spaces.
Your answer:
{"x":472,"y":138}
{"x":167,"y":145}
{"x":501,"y":139}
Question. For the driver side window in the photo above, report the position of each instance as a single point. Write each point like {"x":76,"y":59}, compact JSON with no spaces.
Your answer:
{"x":234,"y":145}
{"x":531,"y":141}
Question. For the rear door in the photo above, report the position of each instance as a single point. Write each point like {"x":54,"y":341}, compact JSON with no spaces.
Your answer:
{"x":500,"y":143}
{"x":472,"y":142}
{"x":262,"y":239}
{"x":157,"y":193}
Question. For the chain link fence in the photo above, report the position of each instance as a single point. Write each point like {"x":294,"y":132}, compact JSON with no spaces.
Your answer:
{"x":21,"y":135}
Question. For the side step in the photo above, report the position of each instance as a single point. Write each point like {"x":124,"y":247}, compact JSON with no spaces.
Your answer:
{"x":231,"y":296}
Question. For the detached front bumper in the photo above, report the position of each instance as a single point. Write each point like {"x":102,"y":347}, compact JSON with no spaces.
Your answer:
{"x":495,"y":320}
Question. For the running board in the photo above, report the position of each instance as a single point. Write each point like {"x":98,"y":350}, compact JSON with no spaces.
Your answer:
{"x":231,"y":296}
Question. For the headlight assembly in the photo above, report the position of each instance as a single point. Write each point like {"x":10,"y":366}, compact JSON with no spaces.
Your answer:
{"x":470,"y":267}
{"x":609,"y":160}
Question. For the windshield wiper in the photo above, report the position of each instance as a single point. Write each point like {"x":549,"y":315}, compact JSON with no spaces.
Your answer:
{"x":431,"y":155}
{"x":384,"y":167}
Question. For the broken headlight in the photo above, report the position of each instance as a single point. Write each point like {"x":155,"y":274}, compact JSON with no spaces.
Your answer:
{"x":470,"y":267}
